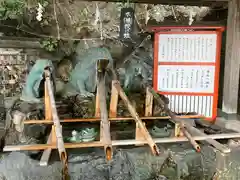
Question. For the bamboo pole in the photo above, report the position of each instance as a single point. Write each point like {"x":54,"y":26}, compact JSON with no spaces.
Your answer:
{"x":119,"y":142}
{"x":105,"y":124}
{"x":136,"y":117}
{"x":176,"y":120}
{"x":185,"y":127}
{"x":57,"y":125}
{"x":148,"y":103}
{"x":213,"y":142}
{"x":111,"y":119}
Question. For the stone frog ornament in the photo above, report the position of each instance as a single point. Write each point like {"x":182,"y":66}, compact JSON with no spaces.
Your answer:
{"x":34,"y":87}
{"x":135,"y":73}
{"x":137,"y":68}
{"x":83,"y":78}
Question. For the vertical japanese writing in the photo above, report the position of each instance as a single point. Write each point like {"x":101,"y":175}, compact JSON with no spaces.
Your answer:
{"x":126,"y":23}
{"x":186,"y":79}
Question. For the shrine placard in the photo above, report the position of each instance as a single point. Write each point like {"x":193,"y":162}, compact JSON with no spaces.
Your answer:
{"x":186,"y":70}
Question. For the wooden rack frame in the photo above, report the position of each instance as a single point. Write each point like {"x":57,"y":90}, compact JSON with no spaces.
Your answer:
{"x":142,"y":136}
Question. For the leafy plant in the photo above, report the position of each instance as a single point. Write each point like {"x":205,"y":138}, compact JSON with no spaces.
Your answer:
{"x":45,"y":3}
{"x":49,"y":44}
{"x":11,"y":9}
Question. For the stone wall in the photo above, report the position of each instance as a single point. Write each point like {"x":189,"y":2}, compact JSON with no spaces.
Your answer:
{"x":14,"y":66}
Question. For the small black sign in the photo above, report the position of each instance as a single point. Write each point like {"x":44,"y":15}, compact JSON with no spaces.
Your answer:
{"x":126,"y":23}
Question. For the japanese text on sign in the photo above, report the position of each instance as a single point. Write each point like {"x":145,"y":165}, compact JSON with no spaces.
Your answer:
{"x":126,"y":23}
{"x":198,"y":78}
{"x":187,"y":48}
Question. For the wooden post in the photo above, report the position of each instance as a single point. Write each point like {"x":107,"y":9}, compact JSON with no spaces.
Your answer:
{"x":113,"y":102}
{"x":232,"y":60}
{"x":48,"y":116}
{"x":113,"y":107}
{"x":148,"y":103}
{"x":177,"y":130}
{"x":148,"y":112}
{"x":48,"y":109}
{"x":97,"y":105}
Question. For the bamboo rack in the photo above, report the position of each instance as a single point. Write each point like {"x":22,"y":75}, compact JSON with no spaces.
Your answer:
{"x":142,"y":136}
{"x":105,"y":136}
{"x":121,"y":142}
{"x":51,"y":114}
{"x":185,"y":128}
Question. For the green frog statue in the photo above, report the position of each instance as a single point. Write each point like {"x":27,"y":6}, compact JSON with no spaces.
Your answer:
{"x":34,"y":87}
{"x":83,"y":77}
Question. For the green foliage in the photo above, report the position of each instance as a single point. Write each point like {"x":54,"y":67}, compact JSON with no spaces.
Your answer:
{"x":44,"y":3}
{"x":14,"y":9}
{"x":11,"y":9}
{"x":49,"y":44}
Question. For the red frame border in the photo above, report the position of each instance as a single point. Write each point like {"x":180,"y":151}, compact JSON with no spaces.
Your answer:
{"x":218,"y":32}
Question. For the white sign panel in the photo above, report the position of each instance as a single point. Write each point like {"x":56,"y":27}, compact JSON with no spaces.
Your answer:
{"x":187,"y":47}
{"x":197,"y":79}
{"x":203,"y":105}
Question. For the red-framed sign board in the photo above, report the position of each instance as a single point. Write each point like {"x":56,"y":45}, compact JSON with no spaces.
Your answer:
{"x":186,"y":68}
